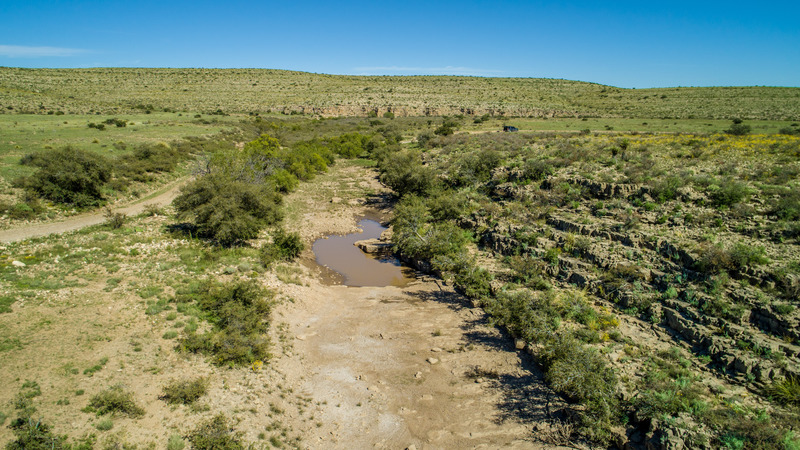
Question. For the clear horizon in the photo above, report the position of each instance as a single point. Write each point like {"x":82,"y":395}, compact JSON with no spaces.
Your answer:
{"x":625,"y":44}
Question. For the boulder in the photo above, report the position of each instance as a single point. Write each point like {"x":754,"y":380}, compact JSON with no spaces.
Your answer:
{"x":374,"y":246}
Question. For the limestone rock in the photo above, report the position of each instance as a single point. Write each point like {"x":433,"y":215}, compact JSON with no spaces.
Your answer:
{"x":374,"y":246}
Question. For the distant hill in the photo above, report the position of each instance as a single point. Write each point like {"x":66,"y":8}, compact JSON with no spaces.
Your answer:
{"x":47,"y":91}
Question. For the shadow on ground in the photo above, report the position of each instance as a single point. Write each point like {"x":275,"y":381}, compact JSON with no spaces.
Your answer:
{"x":524,"y":395}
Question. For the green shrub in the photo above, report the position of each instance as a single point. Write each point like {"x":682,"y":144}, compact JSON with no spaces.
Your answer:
{"x":551,"y":255}
{"x":573,"y":305}
{"x":284,"y":247}
{"x":788,"y":205}
{"x":350,"y":145}
{"x":728,"y":193}
{"x":714,"y":259}
{"x":743,"y":255}
{"x":265,"y":159}
{"x":474,"y":167}
{"x":27,"y":209}
{"x":175,"y":442}
{"x":424,"y":138}
{"x":448,"y":205}
{"x":404,"y":173}
{"x":69,"y":175}
{"x":447,"y":128}
{"x":104,"y":424}
{"x":524,"y":316}
{"x":119,"y":123}
{"x":785,"y":391}
{"x":738,"y":429}
{"x":416,"y":237}
{"x":215,"y":434}
{"x":473,"y":281}
{"x":239,"y":312}
{"x":670,"y":399}
{"x":185,"y":391}
{"x":529,"y":271}
{"x":147,"y":159}
{"x":114,"y":220}
{"x":115,"y":400}
{"x":228,"y":211}
{"x":738,"y":129}
{"x":582,"y":374}
{"x":153,"y":210}
{"x":33,"y":434}
{"x":537,"y":169}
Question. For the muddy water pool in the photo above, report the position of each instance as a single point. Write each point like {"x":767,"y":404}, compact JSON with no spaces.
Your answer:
{"x":357,"y":268}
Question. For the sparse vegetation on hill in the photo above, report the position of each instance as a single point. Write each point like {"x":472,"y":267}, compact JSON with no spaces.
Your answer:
{"x":217,"y":92}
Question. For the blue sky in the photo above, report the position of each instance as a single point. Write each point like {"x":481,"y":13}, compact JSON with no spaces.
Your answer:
{"x":626,"y":44}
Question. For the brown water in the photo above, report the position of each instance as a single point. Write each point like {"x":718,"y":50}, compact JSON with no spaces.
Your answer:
{"x":357,"y":268}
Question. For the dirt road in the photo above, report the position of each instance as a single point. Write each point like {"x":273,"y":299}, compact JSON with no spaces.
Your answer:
{"x":88,"y":219}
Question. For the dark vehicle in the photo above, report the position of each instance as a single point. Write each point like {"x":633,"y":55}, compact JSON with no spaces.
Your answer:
{"x":510,"y":128}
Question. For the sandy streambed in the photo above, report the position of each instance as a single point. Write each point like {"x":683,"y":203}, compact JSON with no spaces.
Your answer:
{"x":395,"y":367}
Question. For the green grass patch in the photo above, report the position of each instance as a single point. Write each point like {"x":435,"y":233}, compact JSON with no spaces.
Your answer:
{"x":96,"y":368}
{"x":5,"y":303}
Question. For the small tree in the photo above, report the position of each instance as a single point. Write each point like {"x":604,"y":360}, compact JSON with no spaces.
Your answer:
{"x":738,"y":128}
{"x":228,"y":211}
{"x":69,"y":175}
{"x":447,"y":128}
{"x":404,"y":173}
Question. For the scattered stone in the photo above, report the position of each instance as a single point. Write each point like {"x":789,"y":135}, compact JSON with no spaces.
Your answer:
{"x":18,"y":264}
{"x":418,"y":375}
{"x":432,"y":360}
{"x":436,"y":349}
